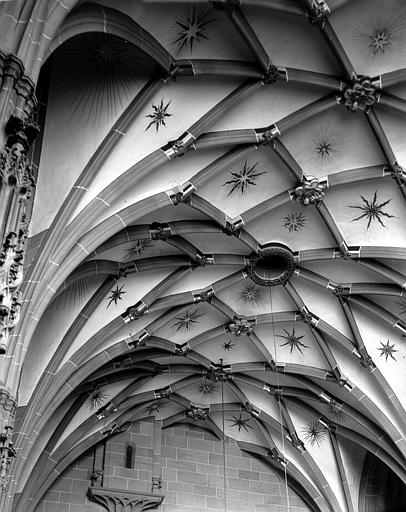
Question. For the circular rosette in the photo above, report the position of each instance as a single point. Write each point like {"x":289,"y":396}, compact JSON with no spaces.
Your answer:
{"x":272,"y":265}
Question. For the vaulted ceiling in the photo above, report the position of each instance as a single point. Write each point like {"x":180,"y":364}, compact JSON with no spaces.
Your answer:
{"x":218,"y":229}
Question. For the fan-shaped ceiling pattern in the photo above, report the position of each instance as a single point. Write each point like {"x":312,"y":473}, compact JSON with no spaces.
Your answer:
{"x":235,"y":223}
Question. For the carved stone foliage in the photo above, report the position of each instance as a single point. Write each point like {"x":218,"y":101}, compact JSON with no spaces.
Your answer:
{"x":311,"y":191}
{"x":123,"y":501}
{"x":240,"y":326}
{"x":319,"y":11}
{"x":16,"y":183}
{"x":197,"y":413}
{"x":360,"y":95}
{"x":7,"y":452}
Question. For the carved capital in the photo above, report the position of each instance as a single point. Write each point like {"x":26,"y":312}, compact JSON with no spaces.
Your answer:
{"x":115,"y":500}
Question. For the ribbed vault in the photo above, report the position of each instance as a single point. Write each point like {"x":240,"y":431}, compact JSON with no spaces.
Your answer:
{"x":236,"y":224}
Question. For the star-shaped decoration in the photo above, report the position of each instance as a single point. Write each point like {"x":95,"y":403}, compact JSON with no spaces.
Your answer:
{"x":193,"y":28}
{"x":116,"y":295}
{"x":244,"y":179}
{"x":240,"y":422}
{"x":207,"y":387}
{"x":379,"y":40}
{"x":402,"y":304}
{"x":292,"y":340}
{"x":159,"y":114}
{"x":294,"y":221}
{"x":187,"y":321}
{"x":138,"y":248}
{"x":314,"y":433}
{"x":228,"y":345}
{"x":372,"y":210}
{"x":324,"y":148}
{"x":154,"y":407}
{"x":387,"y":350}
{"x":250,"y":294}
{"x":96,"y":397}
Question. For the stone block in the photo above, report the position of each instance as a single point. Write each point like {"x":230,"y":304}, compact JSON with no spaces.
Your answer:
{"x":70,"y":497}
{"x":85,"y":463}
{"x":238,"y":462}
{"x":215,"y":481}
{"x":168,"y":452}
{"x":126,"y":473}
{"x":192,"y":478}
{"x":145,"y":475}
{"x":265,"y":487}
{"x":204,"y":490}
{"x":192,"y":455}
{"x":169,"y":475}
{"x":176,"y":441}
{"x":191,"y":500}
{"x":64,"y":484}
{"x":141,"y":440}
{"x":52,"y":496}
{"x":232,"y":494}
{"x":80,"y":486}
{"x":205,"y":468}
{"x":200,"y":445}
{"x":270,"y":477}
{"x":181,"y":464}
{"x":115,"y":482}
{"x":180,"y":487}
{"x":252,"y":497}
{"x":238,"y":483}
{"x":241,"y":506}
{"x":249,"y":475}
{"x":215,"y":503}
{"x":216,"y":459}
{"x":50,"y":506}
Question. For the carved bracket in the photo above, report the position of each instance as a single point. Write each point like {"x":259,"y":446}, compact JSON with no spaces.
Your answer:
{"x":115,"y":500}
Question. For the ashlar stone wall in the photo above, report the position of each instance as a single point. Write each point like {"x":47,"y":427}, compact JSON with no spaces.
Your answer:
{"x":191,"y":462}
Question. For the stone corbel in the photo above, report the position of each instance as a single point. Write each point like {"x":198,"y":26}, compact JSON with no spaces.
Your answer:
{"x":115,"y":500}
